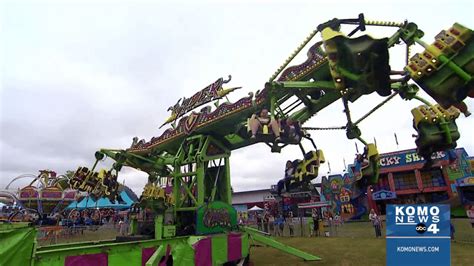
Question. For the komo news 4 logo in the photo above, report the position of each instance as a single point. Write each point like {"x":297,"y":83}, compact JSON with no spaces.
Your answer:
{"x":418,"y":235}
{"x":419,"y":216}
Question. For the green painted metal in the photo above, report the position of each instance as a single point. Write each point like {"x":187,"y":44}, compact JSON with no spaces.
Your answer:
{"x":458,"y":70}
{"x":119,"y":253}
{"x":376,"y":108}
{"x":219,"y":249}
{"x":228,"y":192}
{"x":443,"y":123}
{"x":245,"y":245}
{"x":130,"y":256}
{"x":444,"y":59}
{"x":348,"y":74}
{"x":451,"y":68}
{"x":257,"y":236}
{"x":303,"y":85}
{"x":159,"y":226}
{"x":17,"y":244}
{"x":155,"y":258}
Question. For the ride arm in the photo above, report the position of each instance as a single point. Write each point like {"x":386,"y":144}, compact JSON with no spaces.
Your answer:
{"x":156,"y":164}
{"x":350,"y":76}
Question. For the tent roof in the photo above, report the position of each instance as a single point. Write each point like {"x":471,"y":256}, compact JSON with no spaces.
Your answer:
{"x":126,"y":198}
{"x":255,"y":208}
{"x":88,"y":202}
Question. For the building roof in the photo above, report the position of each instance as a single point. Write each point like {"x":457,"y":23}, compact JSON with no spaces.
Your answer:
{"x":251,"y":196}
{"x":252,"y":191}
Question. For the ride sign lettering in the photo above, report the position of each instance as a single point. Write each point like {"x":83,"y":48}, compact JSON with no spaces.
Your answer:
{"x":215,"y":217}
{"x":210,"y":93}
{"x":407,"y":158}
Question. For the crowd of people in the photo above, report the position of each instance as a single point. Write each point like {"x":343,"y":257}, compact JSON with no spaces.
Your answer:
{"x":317,"y":224}
{"x":6,"y":211}
{"x":93,"y":217}
{"x":68,"y":218}
{"x":275,"y":224}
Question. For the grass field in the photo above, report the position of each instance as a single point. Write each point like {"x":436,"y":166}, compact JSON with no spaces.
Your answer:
{"x":345,"y":251}
{"x":355,"y":244}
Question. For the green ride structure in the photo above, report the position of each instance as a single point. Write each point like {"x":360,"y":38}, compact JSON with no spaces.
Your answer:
{"x":185,"y":216}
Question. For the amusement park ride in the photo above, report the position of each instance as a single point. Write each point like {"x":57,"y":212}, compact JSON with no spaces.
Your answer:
{"x":46,"y":194}
{"x":189,"y":185}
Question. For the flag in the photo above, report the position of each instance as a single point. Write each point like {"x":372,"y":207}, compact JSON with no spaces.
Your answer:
{"x":357,"y":148}
{"x":375,"y":142}
{"x":344,"y":161}
{"x":396,"y":139}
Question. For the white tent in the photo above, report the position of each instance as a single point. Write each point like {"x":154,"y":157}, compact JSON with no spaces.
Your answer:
{"x":255,"y":208}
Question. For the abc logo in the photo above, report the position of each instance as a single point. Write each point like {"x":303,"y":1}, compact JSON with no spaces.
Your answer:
{"x":420,"y":228}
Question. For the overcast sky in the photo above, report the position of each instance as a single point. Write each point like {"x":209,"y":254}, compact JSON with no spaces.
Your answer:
{"x":93,"y":74}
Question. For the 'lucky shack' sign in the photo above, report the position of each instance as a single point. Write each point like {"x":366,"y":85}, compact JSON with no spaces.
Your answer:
{"x":210,"y":93}
{"x":408,"y":157}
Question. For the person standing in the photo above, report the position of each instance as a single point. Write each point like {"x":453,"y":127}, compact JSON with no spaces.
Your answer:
{"x":331,"y":225}
{"x":377,"y":225}
{"x":315,"y":218}
{"x":376,"y":222}
{"x":311,"y":226}
{"x":337,"y":220}
{"x":320,"y":227}
{"x":271,"y":224}
{"x":281,"y":224}
{"x":259,"y":222}
{"x":278,"y":225}
{"x":265,"y":222}
{"x":372,"y":215}
{"x":121,"y":227}
{"x":291,"y":225}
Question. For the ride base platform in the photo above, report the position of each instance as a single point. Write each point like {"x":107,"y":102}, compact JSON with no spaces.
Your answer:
{"x":18,"y":246}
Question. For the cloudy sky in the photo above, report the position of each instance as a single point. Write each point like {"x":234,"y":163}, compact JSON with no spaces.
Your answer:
{"x":86,"y":75}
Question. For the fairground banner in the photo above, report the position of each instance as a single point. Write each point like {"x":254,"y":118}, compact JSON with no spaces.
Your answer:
{"x":418,"y":234}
